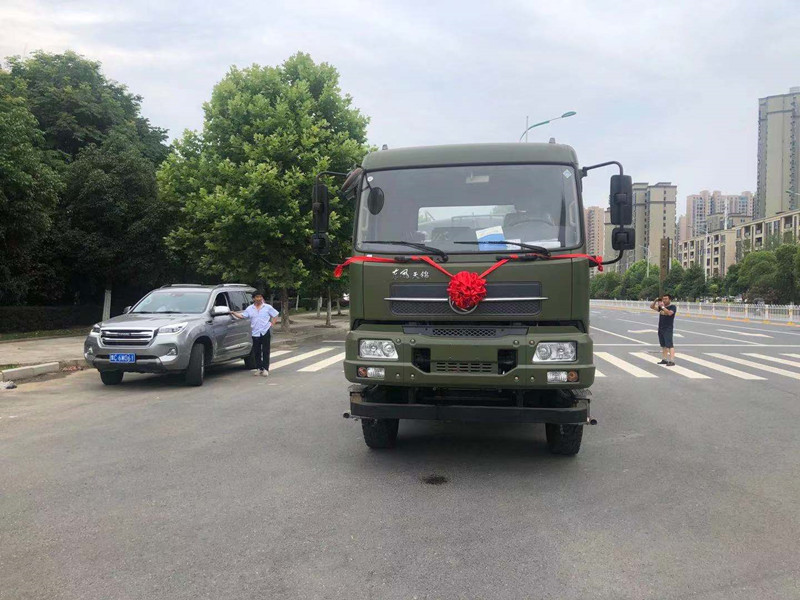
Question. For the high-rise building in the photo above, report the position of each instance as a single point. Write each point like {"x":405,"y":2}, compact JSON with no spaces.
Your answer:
{"x":778,"y":154}
{"x":593,"y":218}
{"x":697,"y":209}
{"x":681,"y":231}
{"x":700,"y":207}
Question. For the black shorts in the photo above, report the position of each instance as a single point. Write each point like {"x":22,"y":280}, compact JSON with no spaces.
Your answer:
{"x":665,"y":338}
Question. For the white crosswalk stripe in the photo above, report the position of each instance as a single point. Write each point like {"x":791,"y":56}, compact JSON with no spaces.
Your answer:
{"x":780,"y":361}
{"x":675,"y":369}
{"x":317,"y":366}
{"x":299,"y":357}
{"x":279,"y":353}
{"x":755,"y":365}
{"x":792,"y":355}
{"x":598,"y":373}
{"x":624,"y":365}
{"x":721,"y":368}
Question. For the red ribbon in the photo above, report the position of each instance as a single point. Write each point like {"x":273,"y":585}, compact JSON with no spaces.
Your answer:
{"x":466,"y":289}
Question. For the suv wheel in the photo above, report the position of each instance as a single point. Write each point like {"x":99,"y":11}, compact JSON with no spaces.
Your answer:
{"x":380,"y":433}
{"x":111,"y":377}
{"x":197,"y":365}
{"x":564,"y":439}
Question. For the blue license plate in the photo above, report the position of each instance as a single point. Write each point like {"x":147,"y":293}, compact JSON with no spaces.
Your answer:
{"x":122,"y":358}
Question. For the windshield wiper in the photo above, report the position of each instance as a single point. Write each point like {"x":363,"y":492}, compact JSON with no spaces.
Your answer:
{"x":539,"y":249}
{"x":423,"y":247}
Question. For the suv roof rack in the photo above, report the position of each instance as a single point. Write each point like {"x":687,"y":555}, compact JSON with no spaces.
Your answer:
{"x":183,"y":285}
{"x":235,"y":284}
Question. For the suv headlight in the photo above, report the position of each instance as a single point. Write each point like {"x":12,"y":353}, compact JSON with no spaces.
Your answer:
{"x":174,"y":328}
{"x":556,"y":352}
{"x":95,"y":329}
{"x":381,"y":349}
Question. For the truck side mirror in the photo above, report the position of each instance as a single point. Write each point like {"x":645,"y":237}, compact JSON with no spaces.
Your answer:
{"x":350,"y":185}
{"x":621,"y":200}
{"x":320,"y":208}
{"x":623,"y":238}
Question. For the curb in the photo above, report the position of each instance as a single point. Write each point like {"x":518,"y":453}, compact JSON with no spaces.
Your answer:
{"x":20,"y":373}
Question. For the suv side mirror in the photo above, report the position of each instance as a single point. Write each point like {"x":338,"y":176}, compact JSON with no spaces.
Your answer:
{"x":621,"y":200}
{"x":126,"y":310}
{"x":623,"y":238}
{"x":218,"y":311}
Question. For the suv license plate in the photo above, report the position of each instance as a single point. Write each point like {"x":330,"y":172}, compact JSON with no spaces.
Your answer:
{"x":122,"y":358}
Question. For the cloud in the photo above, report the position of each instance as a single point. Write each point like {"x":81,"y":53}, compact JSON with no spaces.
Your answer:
{"x":670,"y":89}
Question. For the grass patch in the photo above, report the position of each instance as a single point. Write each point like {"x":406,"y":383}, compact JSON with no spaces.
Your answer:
{"x":4,"y":367}
{"x":32,"y":335}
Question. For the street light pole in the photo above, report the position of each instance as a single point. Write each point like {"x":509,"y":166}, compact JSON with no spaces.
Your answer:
{"x":528,"y":128}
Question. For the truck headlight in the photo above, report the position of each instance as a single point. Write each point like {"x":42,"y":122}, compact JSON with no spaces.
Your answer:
{"x":556,"y":352}
{"x":95,"y":329}
{"x":380,"y":349}
{"x":174,"y":328}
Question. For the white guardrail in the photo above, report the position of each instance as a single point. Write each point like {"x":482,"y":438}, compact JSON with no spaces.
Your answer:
{"x":768,"y":313}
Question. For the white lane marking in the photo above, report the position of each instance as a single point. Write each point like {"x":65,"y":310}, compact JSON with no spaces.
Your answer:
{"x":792,"y":355}
{"x":677,"y":335}
{"x":598,"y":373}
{"x":721,"y":368}
{"x":755,"y":365}
{"x":780,"y":361}
{"x":731,"y":326}
{"x":676,"y":369}
{"x":722,"y":337}
{"x":624,"y":337}
{"x":709,"y":345}
{"x":744,"y":333}
{"x":323,"y":363}
{"x":279,"y":353}
{"x":299,"y":357}
{"x":624,"y":365}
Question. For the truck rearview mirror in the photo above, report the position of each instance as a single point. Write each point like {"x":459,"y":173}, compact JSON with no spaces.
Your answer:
{"x":375,"y":200}
{"x":621,"y":200}
{"x":350,"y":185}
{"x":623,"y":238}
{"x":320,"y":208}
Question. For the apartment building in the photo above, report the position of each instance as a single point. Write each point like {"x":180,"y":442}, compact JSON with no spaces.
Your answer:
{"x":594,"y":226}
{"x":700,"y":207}
{"x":769,"y":232}
{"x":778,"y":188}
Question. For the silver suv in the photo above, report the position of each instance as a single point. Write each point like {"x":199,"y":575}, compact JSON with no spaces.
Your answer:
{"x":176,"y":328}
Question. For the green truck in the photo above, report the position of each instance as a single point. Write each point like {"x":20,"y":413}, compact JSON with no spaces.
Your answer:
{"x":469,"y":286}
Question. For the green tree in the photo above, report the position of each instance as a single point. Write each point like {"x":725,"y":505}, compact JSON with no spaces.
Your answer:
{"x":111,"y":224}
{"x":715,"y":286}
{"x":674,"y":278}
{"x":76,"y":105}
{"x":785,"y":278}
{"x":731,"y":283}
{"x":693,"y":285}
{"x":757,"y":275}
{"x":244,"y":184}
{"x":28,"y":192}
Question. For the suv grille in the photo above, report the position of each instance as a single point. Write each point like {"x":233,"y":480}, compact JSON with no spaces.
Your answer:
{"x":126,"y":337}
{"x":452,"y":366}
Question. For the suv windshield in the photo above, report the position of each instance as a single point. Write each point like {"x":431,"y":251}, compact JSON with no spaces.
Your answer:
{"x":531,"y":204}
{"x":173,"y":301}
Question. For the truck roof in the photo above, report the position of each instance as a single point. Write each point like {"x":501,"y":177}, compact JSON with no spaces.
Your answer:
{"x":463,"y":154}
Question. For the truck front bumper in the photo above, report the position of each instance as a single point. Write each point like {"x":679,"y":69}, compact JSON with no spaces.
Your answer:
{"x":576,"y":413}
{"x":469,"y":362}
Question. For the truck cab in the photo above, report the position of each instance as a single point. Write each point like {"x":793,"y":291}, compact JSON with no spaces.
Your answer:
{"x":469,"y":289}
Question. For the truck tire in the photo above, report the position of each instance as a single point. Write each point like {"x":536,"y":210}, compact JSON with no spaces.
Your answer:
{"x":564,"y":439}
{"x":111,"y":377}
{"x":197,"y":365}
{"x":250,"y":361}
{"x":380,"y":434}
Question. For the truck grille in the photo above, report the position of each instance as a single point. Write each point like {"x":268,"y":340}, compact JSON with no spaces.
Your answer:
{"x":418,"y":303}
{"x":454,"y":366}
{"x":126,"y":337}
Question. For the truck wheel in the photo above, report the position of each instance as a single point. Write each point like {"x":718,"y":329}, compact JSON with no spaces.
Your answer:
{"x":380,"y":433}
{"x":564,"y":439}
{"x":111,"y":377}
{"x":197,"y":366}
{"x":250,"y":361}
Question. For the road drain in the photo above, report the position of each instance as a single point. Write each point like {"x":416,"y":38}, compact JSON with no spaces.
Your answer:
{"x":434,"y":479}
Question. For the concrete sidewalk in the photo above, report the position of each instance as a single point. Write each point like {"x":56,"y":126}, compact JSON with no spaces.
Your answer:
{"x":306,"y":327}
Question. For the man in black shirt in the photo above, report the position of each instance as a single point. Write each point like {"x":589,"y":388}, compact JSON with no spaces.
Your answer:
{"x":666,"y":319}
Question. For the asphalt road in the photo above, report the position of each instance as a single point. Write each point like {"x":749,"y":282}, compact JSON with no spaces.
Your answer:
{"x":257,"y":488}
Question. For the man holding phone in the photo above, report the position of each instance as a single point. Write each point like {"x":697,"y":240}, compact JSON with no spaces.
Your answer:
{"x":666,"y":320}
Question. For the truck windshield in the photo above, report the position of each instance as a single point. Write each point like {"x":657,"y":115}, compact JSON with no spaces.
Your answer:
{"x":531,"y":204}
{"x":173,"y":302}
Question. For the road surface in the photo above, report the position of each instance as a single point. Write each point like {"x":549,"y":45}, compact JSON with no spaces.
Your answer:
{"x":257,"y":488}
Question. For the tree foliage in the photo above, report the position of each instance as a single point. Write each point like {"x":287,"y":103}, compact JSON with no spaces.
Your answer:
{"x":244,"y":185}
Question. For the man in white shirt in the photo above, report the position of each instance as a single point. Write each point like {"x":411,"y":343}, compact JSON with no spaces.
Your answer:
{"x":262,"y":317}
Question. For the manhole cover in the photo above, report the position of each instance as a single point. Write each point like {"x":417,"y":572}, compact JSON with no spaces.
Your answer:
{"x":434,"y":479}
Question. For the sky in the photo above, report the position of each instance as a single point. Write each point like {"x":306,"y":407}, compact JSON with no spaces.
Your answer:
{"x":668,"y":88}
